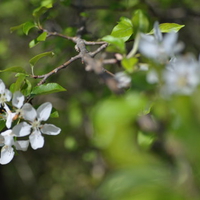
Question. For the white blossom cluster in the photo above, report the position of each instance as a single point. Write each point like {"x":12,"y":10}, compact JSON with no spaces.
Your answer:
{"x":181,"y":73}
{"x":27,"y":122}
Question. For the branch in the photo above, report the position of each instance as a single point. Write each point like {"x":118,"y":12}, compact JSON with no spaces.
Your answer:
{"x":97,"y":67}
{"x":45,"y":76}
{"x":87,"y":57}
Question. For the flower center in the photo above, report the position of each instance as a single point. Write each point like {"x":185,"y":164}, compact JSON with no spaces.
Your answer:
{"x":3,"y":98}
{"x":36,"y":124}
{"x":182,"y":81}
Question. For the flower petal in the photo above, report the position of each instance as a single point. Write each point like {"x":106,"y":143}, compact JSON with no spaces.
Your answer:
{"x":18,"y":99}
{"x":8,"y":137}
{"x":44,"y":111}
{"x":9,"y":119}
{"x":50,"y":129}
{"x":7,"y":155}
{"x":2,"y":87}
{"x":36,"y":140}
{"x":157,"y":32}
{"x":21,"y":145}
{"x":8,"y":95}
{"x":28,"y":112}
{"x":21,"y":129}
{"x":169,"y":42}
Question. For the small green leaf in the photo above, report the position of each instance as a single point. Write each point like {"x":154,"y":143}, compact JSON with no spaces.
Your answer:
{"x":32,"y":43}
{"x":129,"y":64}
{"x":123,"y":30}
{"x":47,"y":89}
{"x":26,"y":88}
{"x":168,"y":27}
{"x":14,"y":69}
{"x":17,"y":85}
{"x":35,"y":59}
{"x":45,"y":5}
{"x":42,"y":37}
{"x":140,"y":21}
{"x":27,"y":27}
{"x":117,"y":42}
{"x":14,"y":28}
{"x":54,"y":113}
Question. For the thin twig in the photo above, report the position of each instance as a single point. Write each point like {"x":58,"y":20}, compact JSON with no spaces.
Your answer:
{"x":54,"y":71}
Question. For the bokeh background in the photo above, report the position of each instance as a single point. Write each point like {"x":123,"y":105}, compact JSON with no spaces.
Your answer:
{"x":70,"y":166}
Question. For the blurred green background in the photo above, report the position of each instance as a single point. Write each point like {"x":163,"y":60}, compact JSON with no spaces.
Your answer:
{"x":90,"y":158}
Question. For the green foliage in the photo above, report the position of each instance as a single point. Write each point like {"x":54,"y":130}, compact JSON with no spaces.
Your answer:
{"x":168,"y":27}
{"x":15,"y":69}
{"x":36,"y":58}
{"x":21,"y":77}
{"x":123,"y":30}
{"x":117,"y":43}
{"x":47,"y":89}
{"x":140,"y":21}
{"x":26,"y":27}
{"x":114,"y":131}
{"x":129,"y":64}
{"x":42,"y":37}
{"x":45,"y":5}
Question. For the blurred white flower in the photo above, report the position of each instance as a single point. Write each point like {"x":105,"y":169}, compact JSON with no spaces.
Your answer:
{"x":152,"y":77}
{"x":123,"y":80}
{"x":181,"y":76}
{"x":158,"y":47}
{"x":35,"y":118}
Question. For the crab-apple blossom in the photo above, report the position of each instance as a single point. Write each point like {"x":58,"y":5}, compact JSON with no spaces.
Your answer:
{"x":34,"y":127}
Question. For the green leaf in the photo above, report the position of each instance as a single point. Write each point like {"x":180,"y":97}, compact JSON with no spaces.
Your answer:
{"x":42,"y":37}
{"x":129,"y":64}
{"x":14,"y":28}
{"x":32,"y":43}
{"x":14,"y":69}
{"x":45,"y":5}
{"x":17,"y":85}
{"x":168,"y":27}
{"x":117,"y":42}
{"x":35,"y":59}
{"x":140,"y":21}
{"x":123,"y":30}
{"x":27,"y":27}
{"x":54,"y":113}
{"x":47,"y":89}
{"x":26,"y":88}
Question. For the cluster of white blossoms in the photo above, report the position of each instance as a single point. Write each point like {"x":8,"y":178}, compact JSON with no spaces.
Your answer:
{"x":27,"y":122}
{"x":181,"y":73}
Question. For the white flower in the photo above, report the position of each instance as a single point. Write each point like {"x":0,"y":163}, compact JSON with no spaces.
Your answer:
{"x":122,"y":79}
{"x":5,"y":94}
{"x":17,"y":101}
{"x":35,"y":118}
{"x":181,"y":76}
{"x":158,"y":47}
{"x":7,"y":151}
